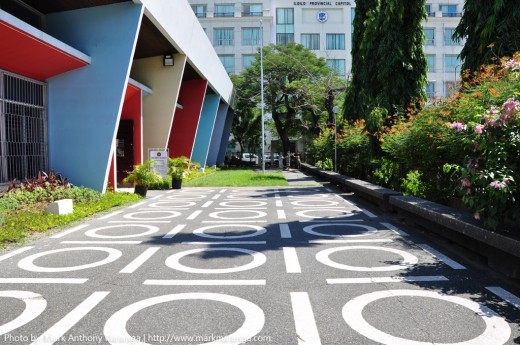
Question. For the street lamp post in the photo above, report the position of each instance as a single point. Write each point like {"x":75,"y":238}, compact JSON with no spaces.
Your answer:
{"x":262,"y":91}
{"x":335,"y":110}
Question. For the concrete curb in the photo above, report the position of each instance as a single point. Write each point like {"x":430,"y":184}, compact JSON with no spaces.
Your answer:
{"x":502,"y":252}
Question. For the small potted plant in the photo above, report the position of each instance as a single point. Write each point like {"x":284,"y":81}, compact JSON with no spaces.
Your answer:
{"x":142,"y":176}
{"x":178,"y":168}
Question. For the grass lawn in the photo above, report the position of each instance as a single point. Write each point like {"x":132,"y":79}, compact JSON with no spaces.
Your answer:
{"x":244,"y":177}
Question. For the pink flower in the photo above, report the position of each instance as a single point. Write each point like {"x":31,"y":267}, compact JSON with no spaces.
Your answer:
{"x":510,"y":107}
{"x":459,"y":126}
{"x":465,"y":182}
{"x":478,"y":129}
{"x":476,"y":216}
{"x":498,"y":185}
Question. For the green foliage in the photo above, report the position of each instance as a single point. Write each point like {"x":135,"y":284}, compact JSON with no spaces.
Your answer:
{"x":393,"y":81}
{"x":30,"y":215}
{"x":143,"y":175}
{"x":491,"y":31}
{"x":179,"y":167}
{"x":327,"y":164}
{"x":238,"y":177}
{"x":297,"y":83}
{"x":414,"y":185}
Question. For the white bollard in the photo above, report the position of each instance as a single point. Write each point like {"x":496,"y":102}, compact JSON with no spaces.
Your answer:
{"x":63,"y":206}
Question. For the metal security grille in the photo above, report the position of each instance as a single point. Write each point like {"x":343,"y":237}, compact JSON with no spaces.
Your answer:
{"x":23,"y":127}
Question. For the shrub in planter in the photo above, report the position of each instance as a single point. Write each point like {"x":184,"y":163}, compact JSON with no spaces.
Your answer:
{"x":142,"y":177}
{"x":179,"y":168}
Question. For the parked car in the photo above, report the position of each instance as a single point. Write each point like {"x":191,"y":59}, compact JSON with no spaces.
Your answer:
{"x":274,"y":160}
{"x":248,"y":157}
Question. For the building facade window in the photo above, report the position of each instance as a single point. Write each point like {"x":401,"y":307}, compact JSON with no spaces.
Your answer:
{"x":335,"y":41}
{"x":337,"y":65}
{"x":429,"y":10}
{"x":430,"y":37}
{"x":199,"y":10}
{"x":229,"y":62}
{"x":449,"y":11}
{"x":252,"y":10}
{"x":223,"y":37}
{"x":448,"y":38}
{"x":284,"y":25}
{"x":250,"y":36}
{"x":449,"y":88}
{"x":23,"y":127}
{"x":431,"y":63}
{"x":451,"y":62}
{"x":311,"y":41}
{"x":225,"y":10}
{"x":247,"y":60}
{"x":430,"y":90}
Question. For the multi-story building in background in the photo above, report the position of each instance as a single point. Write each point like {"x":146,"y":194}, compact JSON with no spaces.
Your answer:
{"x":234,"y":28}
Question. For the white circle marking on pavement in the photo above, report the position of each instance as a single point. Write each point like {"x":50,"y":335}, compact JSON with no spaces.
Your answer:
{"x":344,"y":212}
{"x":259,"y":214}
{"x":314,"y":203}
{"x":258,"y":231}
{"x":408,"y":259}
{"x":173,"y":261}
{"x":28,"y":265}
{"x":310,"y":229}
{"x":35,"y":304}
{"x":172,"y":204}
{"x":243,"y":203}
{"x":170,"y":214}
{"x":93,"y":232}
{"x":115,"y":327}
{"x":187,"y":196}
{"x":497,"y":330}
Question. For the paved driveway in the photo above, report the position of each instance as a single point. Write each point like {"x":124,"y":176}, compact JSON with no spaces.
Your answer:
{"x":294,"y":265}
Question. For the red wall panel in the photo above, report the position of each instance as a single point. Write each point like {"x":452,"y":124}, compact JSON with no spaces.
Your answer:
{"x":186,"y":120}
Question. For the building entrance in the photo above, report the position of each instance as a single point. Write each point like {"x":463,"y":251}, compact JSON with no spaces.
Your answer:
{"x":124,"y":149}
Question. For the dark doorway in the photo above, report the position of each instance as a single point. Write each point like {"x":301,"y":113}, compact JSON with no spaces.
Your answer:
{"x":124,"y":149}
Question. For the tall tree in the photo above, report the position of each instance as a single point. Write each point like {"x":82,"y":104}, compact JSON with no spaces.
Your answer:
{"x":354,"y":106}
{"x":287,"y":69}
{"x":389,"y":65}
{"x":491,"y":29}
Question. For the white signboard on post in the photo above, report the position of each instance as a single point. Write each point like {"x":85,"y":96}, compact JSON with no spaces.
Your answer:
{"x":160,"y":161}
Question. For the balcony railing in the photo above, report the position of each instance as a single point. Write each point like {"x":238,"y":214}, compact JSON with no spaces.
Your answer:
{"x":224,"y":14}
{"x":451,"y":14}
{"x":431,"y":14}
{"x":201,"y":15}
{"x":252,"y":14}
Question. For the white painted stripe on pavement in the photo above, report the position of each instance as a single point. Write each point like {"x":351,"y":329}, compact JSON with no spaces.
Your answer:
{"x":156,"y":197}
{"x":292,"y":264}
{"x":234,"y":221}
{"x":368,"y":213}
{"x":141,"y":259}
{"x":306,"y":328}
{"x":386,"y":280}
{"x":14,"y":252}
{"x":505,"y":295}
{"x":194,"y":215}
{"x":207,"y":203}
{"x":138,"y":221}
{"x":330,"y":221}
{"x":452,"y":263}
{"x":111,"y":214}
{"x":382,"y":240}
{"x":281,"y":214}
{"x":285,"y":231}
{"x":223,"y":242}
{"x":279,"y":203}
{"x":101,"y":242}
{"x":70,"y":231}
{"x":216,"y":196}
{"x":137,"y":205}
{"x":222,"y":190}
{"x":277,"y":196}
{"x":395,"y":229}
{"x":42,"y":280}
{"x":178,"y":228}
{"x":215,"y":282}
{"x":61,"y":327}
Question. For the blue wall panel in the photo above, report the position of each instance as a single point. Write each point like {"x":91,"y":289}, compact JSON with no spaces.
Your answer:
{"x":85,"y":104}
{"x":225,"y":137}
{"x":205,"y":129}
{"x":216,"y":137}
